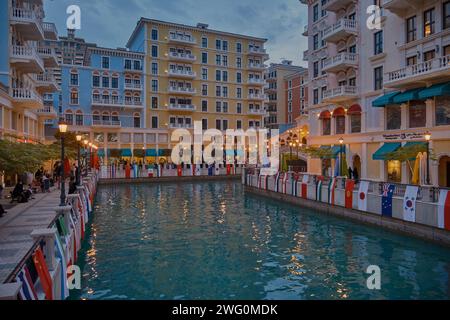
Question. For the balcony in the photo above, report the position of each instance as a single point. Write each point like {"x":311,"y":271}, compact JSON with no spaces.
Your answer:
{"x":340,"y":30}
{"x":256,"y":81}
{"x":257,"y":66}
{"x":180,"y":126}
{"x":133,"y":86}
{"x":177,"y":38}
{"x":48,"y":54}
{"x":50,"y":32}
{"x":336,"y":5}
{"x":257,"y":96}
{"x":305,"y":31}
{"x":119,"y":103}
{"x":26,"y":98}
{"x":182,"y":90}
{"x":402,"y":8}
{"x":257,"y":51}
{"x":182,"y":107}
{"x":340,"y":94}
{"x":27,"y":59}
{"x":257,"y":112}
{"x":45,"y":82}
{"x":47,"y":113}
{"x":182,"y":74}
{"x":341,"y":62}
{"x":424,"y":73}
{"x":106,"y":123}
{"x":182,"y":57}
{"x":28,"y":23}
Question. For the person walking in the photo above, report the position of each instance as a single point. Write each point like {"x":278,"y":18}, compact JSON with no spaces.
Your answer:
{"x":355,"y":175}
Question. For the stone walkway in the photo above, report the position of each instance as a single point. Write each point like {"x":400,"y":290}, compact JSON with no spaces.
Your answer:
{"x":17,"y":225}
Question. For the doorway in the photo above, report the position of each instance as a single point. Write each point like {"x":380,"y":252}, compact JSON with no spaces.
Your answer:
{"x":444,"y":172}
{"x":357,"y":164}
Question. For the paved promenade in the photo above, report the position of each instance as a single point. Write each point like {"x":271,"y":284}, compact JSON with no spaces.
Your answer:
{"x":17,"y":225}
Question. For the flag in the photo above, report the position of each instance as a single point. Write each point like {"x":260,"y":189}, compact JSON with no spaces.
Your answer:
{"x":349,"y":186}
{"x":27,"y":291}
{"x":305,"y":186}
{"x":362,"y":195}
{"x":277,"y":179}
{"x":319,"y":190}
{"x":409,"y":203}
{"x":386,"y":200}
{"x":295,"y":186}
{"x":331,"y":189}
{"x":44,"y":275}
{"x":63,"y":263}
{"x":444,"y":210}
{"x":284,"y":182}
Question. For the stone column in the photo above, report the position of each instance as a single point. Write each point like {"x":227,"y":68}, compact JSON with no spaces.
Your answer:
{"x":364,"y":160}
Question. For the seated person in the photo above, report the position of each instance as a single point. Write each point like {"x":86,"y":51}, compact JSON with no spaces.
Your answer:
{"x":72,"y":185}
{"x":17,"y":192}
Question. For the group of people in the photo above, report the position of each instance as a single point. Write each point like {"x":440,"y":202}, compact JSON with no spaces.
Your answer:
{"x":353,"y":174}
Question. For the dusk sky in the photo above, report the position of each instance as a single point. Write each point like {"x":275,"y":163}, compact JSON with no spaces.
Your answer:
{"x":109,"y":23}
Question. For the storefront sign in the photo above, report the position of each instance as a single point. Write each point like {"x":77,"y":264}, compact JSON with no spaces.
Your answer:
{"x":404,"y":136}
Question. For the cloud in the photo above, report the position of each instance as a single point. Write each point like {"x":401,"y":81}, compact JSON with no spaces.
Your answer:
{"x":109,"y":23}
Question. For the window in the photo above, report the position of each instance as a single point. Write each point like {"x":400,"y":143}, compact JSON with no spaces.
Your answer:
{"x":411,"y":61}
{"x":224,"y":124}
{"x":315,"y":41}
{"x":105,"y":82}
{"x":96,"y":81}
{"x":79,"y":119}
{"x":238,"y":62}
{"x":69,"y":118}
{"x":316,"y":69}
{"x":225,"y":92}
{"x":446,"y":15}
{"x":74,"y":79}
{"x":429,"y":55}
{"x":204,"y":42}
{"x":137,"y":120}
{"x":393,"y":117}
{"x":238,"y":124}
{"x":225,"y":107}
{"x":115,"y":83}
{"x":204,"y":106}
{"x":218,"y":44}
{"x":154,"y":68}
{"x":225,"y":45}
{"x":154,"y":102}
{"x":154,"y":122}
{"x":204,"y":57}
{"x":204,"y":90}
{"x":105,"y":62}
{"x":238,"y":77}
{"x":218,"y":75}
{"x":429,"y":22}
{"x":238,"y":47}
{"x":411,"y":29}
{"x":127,"y":64}
{"x":355,"y":123}
{"x":239,"y":107}
{"x":378,"y":78}
{"x":154,"y":34}
{"x":225,"y":61}
{"x":204,"y":124}
{"x":378,"y":42}
{"x":74,"y":97}
{"x":239,"y":93}
{"x":340,"y":124}
{"x":316,"y":96}
{"x":218,"y":106}
{"x":218,"y":91}
{"x":394,"y":171}
{"x":155,"y":51}
{"x":225,"y":76}
{"x":417,"y":114}
{"x":218,"y":59}
{"x":326,"y":127}
{"x":315,"y":13}
{"x":323,"y":11}
{"x":442,"y":111}
{"x":218,"y":124}
{"x":155,"y":85}
{"x":137,"y":65}
{"x":352,"y":49}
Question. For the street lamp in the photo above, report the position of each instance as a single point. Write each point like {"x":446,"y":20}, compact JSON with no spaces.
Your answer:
{"x":283,"y":144}
{"x":341,"y":164}
{"x":79,"y":138}
{"x":63,"y":130}
{"x":428,"y":138}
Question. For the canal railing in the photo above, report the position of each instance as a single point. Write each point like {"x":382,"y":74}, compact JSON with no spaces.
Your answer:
{"x":425,"y":205}
{"x":45,"y":271}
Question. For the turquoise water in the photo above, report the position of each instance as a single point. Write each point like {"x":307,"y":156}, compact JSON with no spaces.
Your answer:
{"x":211,"y":241}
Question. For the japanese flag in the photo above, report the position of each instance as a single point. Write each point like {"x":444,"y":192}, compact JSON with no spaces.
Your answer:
{"x":362,"y":195}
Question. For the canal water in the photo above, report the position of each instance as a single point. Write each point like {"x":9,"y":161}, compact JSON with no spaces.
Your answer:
{"x":212,"y":241}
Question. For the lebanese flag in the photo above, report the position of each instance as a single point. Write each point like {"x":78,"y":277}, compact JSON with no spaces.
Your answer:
{"x":44,"y":275}
{"x":305,"y":179}
{"x":444,"y":210}
{"x":362,"y":195}
{"x":349,"y":186}
{"x":409,"y":203}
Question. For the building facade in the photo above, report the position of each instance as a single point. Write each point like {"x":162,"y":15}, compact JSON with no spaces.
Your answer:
{"x":276,"y":106}
{"x":194,"y":73}
{"x":379,"y":90}
{"x":296,"y":96}
{"x":27,"y":66}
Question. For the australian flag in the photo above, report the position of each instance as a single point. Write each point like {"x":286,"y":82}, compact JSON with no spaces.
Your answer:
{"x":386,"y":202}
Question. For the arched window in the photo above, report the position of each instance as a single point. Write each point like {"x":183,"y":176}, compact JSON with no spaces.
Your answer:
{"x":79,"y":118}
{"x":115,"y":97}
{"x":74,"y":77}
{"x":105,"y":97}
{"x":325,"y":116}
{"x":137,"y":120}
{"x":115,"y":118}
{"x":128,"y":98}
{"x":96,"y":118}
{"x":137,"y":99}
{"x":74,"y":96}
{"x":354,"y":112}
{"x":106,"y":117}
{"x":339,"y":118}
{"x":96,"y":96}
{"x":115,"y":81}
{"x":69,"y":117}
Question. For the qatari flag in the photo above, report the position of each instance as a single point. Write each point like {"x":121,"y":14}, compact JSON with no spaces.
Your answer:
{"x":386,"y":201}
{"x":444,"y":210}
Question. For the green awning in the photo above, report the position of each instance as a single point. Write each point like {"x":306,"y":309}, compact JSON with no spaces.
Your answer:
{"x":407,"y":96}
{"x":422,"y":147}
{"x":126,"y":153}
{"x":442,"y":89}
{"x":336,"y":150}
{"x":384,"y":99}
{"x":389,"y":147}
{"x":101,"y":153}
{"x":151,"y":153}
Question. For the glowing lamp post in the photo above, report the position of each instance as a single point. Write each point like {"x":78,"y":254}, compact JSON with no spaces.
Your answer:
{"x":63,"y":130}
{"x":341,"y":164}
{"x":428,"y":138}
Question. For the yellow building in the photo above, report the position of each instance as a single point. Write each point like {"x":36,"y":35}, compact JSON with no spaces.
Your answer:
{"x":194,"y":73}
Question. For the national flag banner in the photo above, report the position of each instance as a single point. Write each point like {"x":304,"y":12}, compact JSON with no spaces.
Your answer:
{"x":43,"y":273}
{"x":386,"y":200}
{"x":363,"y":195}
{"x":409,"y":203}
{"x":63,"y":263}
{"x":27,"y":290}
{"x":349,"y":187}
{"x":319,"y":190}
{"x":260,"y":181}
{"x":277,"y":179}
{"x":331,"y":191}
{"x":295,"y":185}
{"x":305,"y":180}
{"x":285,"y":181}
{"x":444,"y":210}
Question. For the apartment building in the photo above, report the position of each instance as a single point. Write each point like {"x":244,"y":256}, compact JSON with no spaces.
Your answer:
{"x":379,"y":89}
{"x":296,"y":96}
{"x":194,"y":73}
{"x":26,"y":70}
{"x":276,"y":106}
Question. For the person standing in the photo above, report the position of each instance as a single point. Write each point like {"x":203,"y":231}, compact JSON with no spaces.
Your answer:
{"x":355,"y":175}
{"x":350,"y":172}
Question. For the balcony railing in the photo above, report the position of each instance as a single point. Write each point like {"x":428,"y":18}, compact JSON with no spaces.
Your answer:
{"x":106,"y":123}
{"x":133,"y":86}
{"x":116,"y":102}
{"x":47,"y":110}
{"x":180,"y":126}
{"x":341,"y":93}
{"x":343,"y":59}
{"x":256,"y":81}
{"x":258,"y":66}
{"x":182,"y":90}
{"x":45,"y":79}
{"x":257,"y":96}
{"x":50,"y":31}
{"x":420,"y":71}
{"x":183,"y":39}
{"x":340,"y":29}
{"x":255,"y":50}
{"x":31,"y":18}
{"x":26,"y":53}
{"x":26,"y":95}
{"x":182,"y":107}
{"x":182,"y":56}
{"x":182,"y":73}
{"x":335,"y":5}
{"x":257,"y":111}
